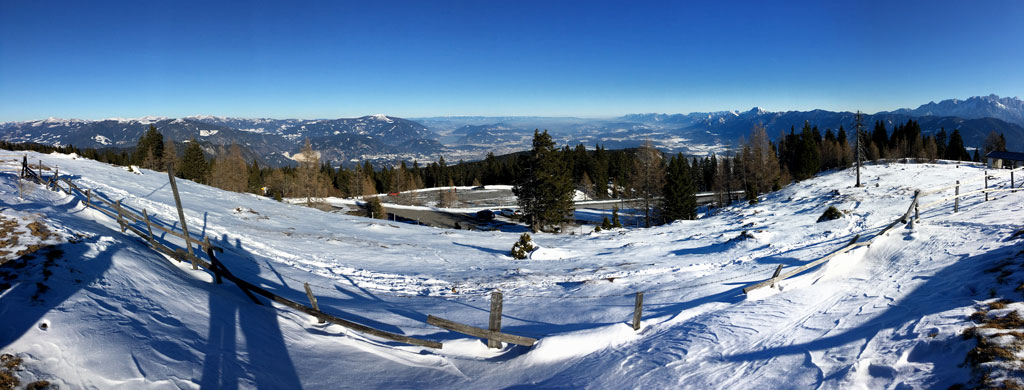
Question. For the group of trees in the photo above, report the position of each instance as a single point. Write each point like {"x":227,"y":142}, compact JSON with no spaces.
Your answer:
{"x":663,"y":187}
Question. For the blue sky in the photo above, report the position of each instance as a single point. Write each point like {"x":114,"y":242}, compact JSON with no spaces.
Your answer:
{"x":301,"y":59}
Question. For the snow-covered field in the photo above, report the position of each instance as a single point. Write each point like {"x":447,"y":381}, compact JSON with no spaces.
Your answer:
{"x":118,"y":315}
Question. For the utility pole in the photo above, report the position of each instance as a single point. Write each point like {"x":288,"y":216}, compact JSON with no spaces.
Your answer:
{"x":858,"y":147}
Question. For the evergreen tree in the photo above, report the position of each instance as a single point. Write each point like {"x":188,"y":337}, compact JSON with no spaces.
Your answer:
{"x":193,"y":164}
{"x":680,"y":195}
{"x":615,"y":217}
{"x":940,"y":143}
{"x":955,"y":150}
{"x":544,"y":188}
{"x":149,"y":152}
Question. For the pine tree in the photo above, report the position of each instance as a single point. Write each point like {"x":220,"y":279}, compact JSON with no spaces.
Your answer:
{"x":615,"y":217}
{"x":680,"y":196}
{"x":544,"y":188}
{"x":941,"y":143}
{"x":149,"y":152}
{"x":193,"y":164}
{"x":255,"y":179}
{"x":955,"y":150}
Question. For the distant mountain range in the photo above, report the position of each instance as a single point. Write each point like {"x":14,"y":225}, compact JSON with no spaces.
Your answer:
{"x":385,"y":139}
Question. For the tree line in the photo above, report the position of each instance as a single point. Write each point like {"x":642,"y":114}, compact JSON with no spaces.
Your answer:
{"x":663,"y":187}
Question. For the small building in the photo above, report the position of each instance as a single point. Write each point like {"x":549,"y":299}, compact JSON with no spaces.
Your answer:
{"x":997,"y":159}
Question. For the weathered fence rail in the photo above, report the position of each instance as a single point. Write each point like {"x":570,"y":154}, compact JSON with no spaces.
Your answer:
{"x":125,"y":217}
{"x":913,"y":213}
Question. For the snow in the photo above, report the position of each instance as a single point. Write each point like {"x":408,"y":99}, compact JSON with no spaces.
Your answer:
{"x":119,"y":315}
{"x":101,"y":139}
{"x":382,"y":118}
{"x":207,"y":133}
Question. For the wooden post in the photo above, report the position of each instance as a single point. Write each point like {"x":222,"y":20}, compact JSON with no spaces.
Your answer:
{"x":956,"y":199}
{"x":40,"y":176}
{"x":24,"y":165}
{"x":638,"y":309}
{"x":917,"y":214}
{"x":986,"y":186}
{"x":149,"y":226}
{"x":181,"y":213}
{"x":120,"y":217}
{"x":1013,"y":188}
{"x":312,"y":301}
{"x":88,"y":198}
{"x":494,"y":323}
{"x":778,"y":270}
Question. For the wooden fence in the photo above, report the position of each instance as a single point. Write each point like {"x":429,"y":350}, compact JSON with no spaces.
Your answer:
{"x":127,"y":221}
{"x":912,"y":214}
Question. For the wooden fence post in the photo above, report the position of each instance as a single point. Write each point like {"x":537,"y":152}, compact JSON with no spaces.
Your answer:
{"x":120,"y":217}
{"x":956,"y":200}
{"x":312,"y":301}
{"x":40,"y":176}
{"x":1013,"y":188}
{"x":638,"y":309}
{"x":181,"y":213}
{"x":778,"y":270}
{"x":494,"y":323}
{"x":24,"y":165}
{"x":149,"y":227}
{"x":88,"y":198}
{"x":986,"y":186}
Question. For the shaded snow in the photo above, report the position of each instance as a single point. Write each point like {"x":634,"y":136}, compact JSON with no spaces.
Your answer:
{"x":883,"y":316}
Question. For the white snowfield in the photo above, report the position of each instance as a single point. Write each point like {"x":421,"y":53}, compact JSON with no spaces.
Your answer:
{"x":119,"y":315}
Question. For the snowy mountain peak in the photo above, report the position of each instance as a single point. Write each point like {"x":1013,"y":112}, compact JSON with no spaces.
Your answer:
{"x":977,"y":107}
{"x":382,"y":117}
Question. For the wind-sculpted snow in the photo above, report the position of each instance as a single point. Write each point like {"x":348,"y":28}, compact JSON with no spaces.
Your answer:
{"x":119,"y":315}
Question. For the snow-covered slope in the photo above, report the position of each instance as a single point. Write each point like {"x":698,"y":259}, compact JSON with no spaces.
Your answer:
{"x":119,"y":315}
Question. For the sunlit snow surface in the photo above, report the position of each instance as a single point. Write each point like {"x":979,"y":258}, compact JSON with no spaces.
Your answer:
{"x":120,"y":316}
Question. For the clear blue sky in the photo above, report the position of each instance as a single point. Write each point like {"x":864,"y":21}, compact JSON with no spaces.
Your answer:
{"x":85,"y":59}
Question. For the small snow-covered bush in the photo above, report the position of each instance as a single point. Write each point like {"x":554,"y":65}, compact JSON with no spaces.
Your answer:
{"x":523,"y":247}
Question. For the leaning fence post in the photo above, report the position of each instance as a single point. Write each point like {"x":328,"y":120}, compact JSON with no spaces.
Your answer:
{"x":956,"y":199}
{"x":312,"y":300}
{"x":24,"y":165}
{"x":181,"y":214}
{"x":917,"y":214}
{"x":494,"y":323}
{"x":149,"y":227}
{"x":120,"y":218}
{"x":88,"y":198}
{"x":778,"y":270}
{"x":638,"y":309}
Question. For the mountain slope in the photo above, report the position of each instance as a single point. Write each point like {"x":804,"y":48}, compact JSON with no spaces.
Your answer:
{"x":890,"y":315}
{"x":1007,"y":109}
